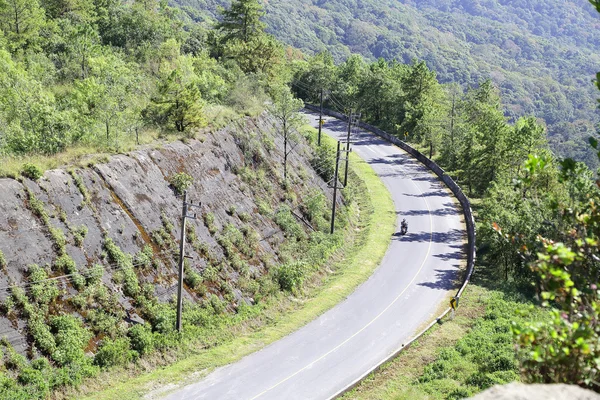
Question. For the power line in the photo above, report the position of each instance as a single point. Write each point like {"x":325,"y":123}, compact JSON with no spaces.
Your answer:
{"x":106,"y":267}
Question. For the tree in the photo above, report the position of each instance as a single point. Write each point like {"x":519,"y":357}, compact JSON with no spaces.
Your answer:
{"x":483,"y":151}
{"x":285,"y":109}
{"x":178,"y":101}
{"x":242,"y":21}
{"x":28,"y":112}
{"x":565,"y":348}
{"x":21,"y":21}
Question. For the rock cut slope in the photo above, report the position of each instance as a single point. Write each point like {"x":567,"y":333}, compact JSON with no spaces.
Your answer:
{"x":123,"y":215}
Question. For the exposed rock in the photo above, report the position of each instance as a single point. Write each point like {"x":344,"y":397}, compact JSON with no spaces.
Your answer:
{"x":127,"y":196}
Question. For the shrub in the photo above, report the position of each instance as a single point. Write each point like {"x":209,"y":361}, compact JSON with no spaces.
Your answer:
{"x":193,"y":279}
{"x":3,"y":263}
{"x":79,"y":235}
{"x":162,"y":317}
{"x":42,"y":336}
{"x":181,"y":182}
{"x":143,"y":258}
{"x":209,"y":222}
{"x":80,"y":185}
{"x":245,"y":217}
{"x":287,"y":222}
{"x":142,"y":339}
{"x":42,"y":292}
{"x":131,"y":286}
{"x":264,"y":208}
{"x":105,"y":322}
{"x":31,"y":171}
{"x":71,"y":339}
{"x":59,"y":239}
{"x":36,"y":380}
{"x":114,"y":352}
{"x":290,"y":276}
{"x":166,"y":222}
{"x":217,"y":304}
{"x":94,"y":275}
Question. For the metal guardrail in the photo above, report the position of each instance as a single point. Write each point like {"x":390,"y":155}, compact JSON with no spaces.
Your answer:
{"x":469,"y":220}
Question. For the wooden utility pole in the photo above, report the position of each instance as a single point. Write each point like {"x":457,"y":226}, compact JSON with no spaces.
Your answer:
{"x":350,"y":116}
{"x":181,"y":258}
{"x":335,"y":185}
{"x":320,"y":119}
{"x":285,"y":152}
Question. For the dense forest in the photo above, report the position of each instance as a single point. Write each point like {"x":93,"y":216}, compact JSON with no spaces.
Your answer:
{"x":541,"y":55}
{"x":102,"y":74}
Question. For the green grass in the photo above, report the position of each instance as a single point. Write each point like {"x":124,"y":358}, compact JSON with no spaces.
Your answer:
{"x":458,"y":358}
{"x":285,"y":314}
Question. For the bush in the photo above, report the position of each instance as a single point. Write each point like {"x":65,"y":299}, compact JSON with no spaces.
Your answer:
{"x":114,"y":352}
{"x":31,"y":171}
{"x":142,"y":339}
{"x":35,"y":379}
{"x":143,"y":259}
{"x":71,"y":339}
{"x":181,"y":182}
{"x":291,"y":276}
{"x":42,"y":336}
{"x":3,"y":263}
{"x":287,"y":222}
{"x":209,"y":222}
{"x":43,"y":292}
{"x":79,"y":235}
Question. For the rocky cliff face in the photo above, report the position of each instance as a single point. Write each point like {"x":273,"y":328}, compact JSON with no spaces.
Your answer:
{"x":124,"y":215}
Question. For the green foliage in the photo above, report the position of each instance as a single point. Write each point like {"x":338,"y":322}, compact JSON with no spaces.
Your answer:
{"x":179,"y":103}
{"x":142,"y":339}
{"x":288,"y":223}
{"x":181,"y":182}
{"x":79,"y":235}
{"x":45,"y":291}
{"x":81,"y":186}
{"x":3,"y":263}
{"x":209,"y":222}
{"x":31,"y":171}
{"x":131,"y":286}
{"x":242,"y":20}
{"x":290,"y":276}
{"x":113,"y":353}
{"x":143,"y":259}
{"x":515,"y":43}
{"x":564,"y":348}
{"x":71,"y":339}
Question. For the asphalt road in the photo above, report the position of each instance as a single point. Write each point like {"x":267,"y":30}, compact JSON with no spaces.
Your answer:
{"x":414,"y":278}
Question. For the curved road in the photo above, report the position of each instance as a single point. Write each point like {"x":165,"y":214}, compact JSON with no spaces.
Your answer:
{"x":414,"y":278}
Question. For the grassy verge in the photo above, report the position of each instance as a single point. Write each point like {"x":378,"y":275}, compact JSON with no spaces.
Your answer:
{"x":458,"y":358}
{"x":282,"y":315}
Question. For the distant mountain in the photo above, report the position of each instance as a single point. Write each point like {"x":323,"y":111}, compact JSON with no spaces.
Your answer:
{"x":542,"y":54}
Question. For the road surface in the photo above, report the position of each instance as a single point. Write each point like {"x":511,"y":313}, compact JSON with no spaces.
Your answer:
{"x":413,"y":280}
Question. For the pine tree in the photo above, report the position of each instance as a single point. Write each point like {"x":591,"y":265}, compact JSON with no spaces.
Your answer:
{"x":242,"y":21}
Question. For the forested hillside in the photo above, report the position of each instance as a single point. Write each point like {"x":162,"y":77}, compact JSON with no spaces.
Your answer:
{"x":542,"y":55}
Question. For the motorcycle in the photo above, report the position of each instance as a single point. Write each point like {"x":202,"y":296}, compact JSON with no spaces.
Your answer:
{"x":403,"y":227}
